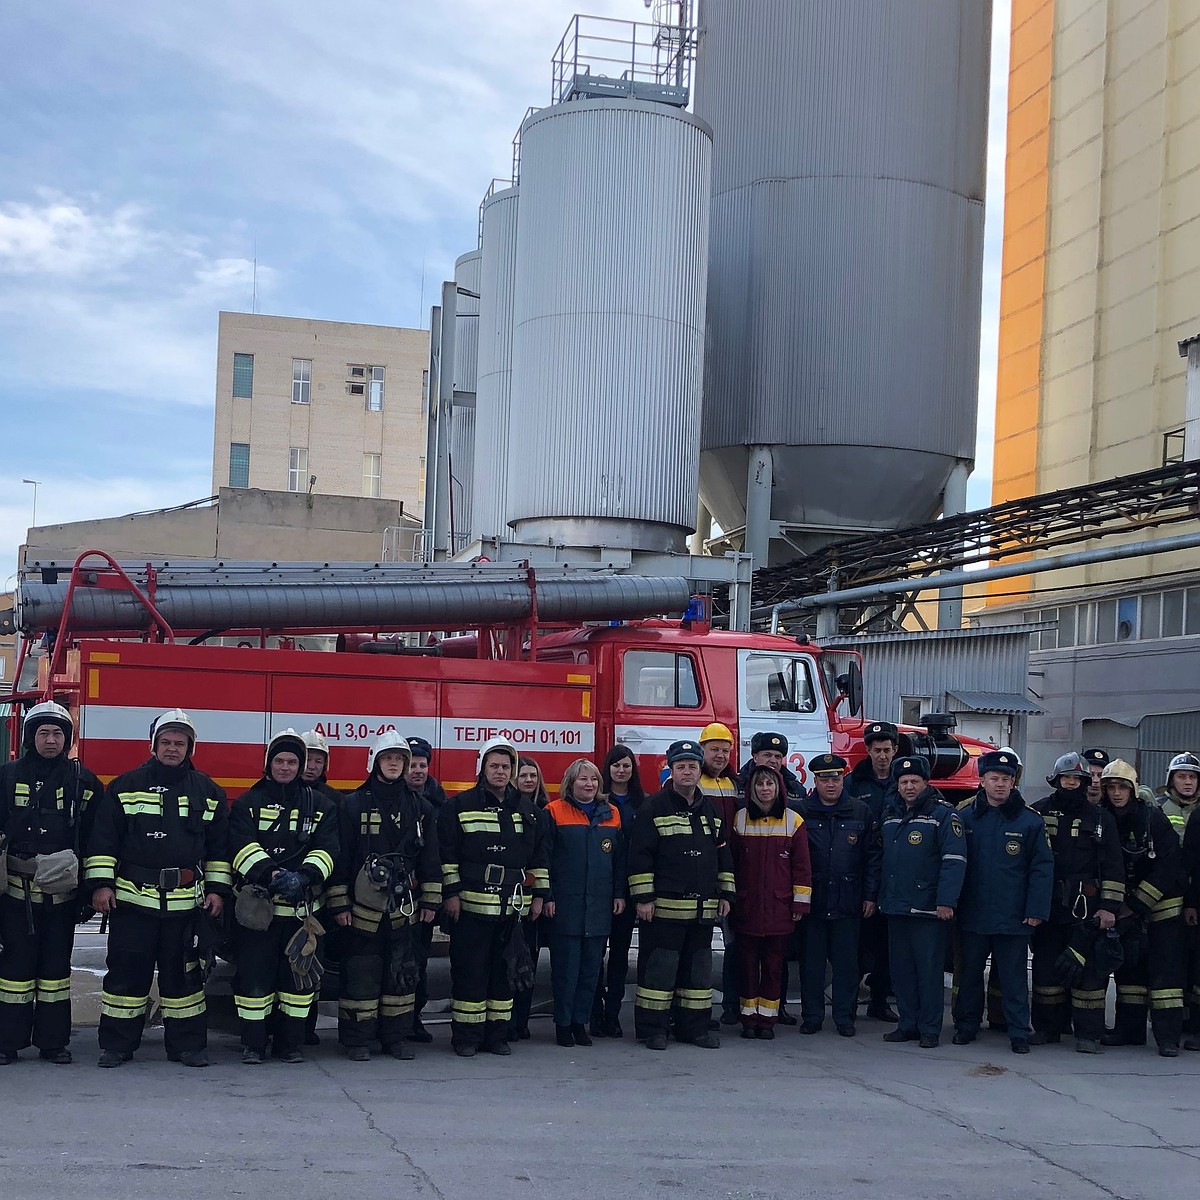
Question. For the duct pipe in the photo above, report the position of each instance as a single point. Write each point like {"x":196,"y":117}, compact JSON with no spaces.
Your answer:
{"x":954,"y":503}
{"x":340,"y":606}
{"x":1081,"y":558}
{"x":760,"y":477}
{"x":703,"y":529}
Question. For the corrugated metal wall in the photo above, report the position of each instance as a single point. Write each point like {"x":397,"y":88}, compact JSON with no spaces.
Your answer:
{"x":1160,"y":738}
{"x":847,"y":247}
{"x":608,"y":327}
{"x":494,"y":384}
{"x":466,"y":369}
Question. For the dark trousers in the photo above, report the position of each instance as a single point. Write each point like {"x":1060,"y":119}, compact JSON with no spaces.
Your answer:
{"x":1154,"y":981}
{"x":574,"y":969}
{"x":422,"y":945}
{"x":264,"y":989}
{"x":533,"y":932}
{"x":833,"y":941}
{"x":1055,"y":1008}
{"x":35,"y":974}
{"x":481,"y":996}
{"x":674,"y":975}
{"x":610,"y":990}
{"x":140,"y":941}
{"x":760,"y":970}
{"x":375,"y":1003}
{"x":874,"y":958}
{"x":917,"y":954}
{"x":1191,"y":945}
{"x":731,"y":972}
{"x":1010,"y":963}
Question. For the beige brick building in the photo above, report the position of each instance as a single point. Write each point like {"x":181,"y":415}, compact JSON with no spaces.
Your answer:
{"x":298,"y":398}
{"x":1101,"y":285}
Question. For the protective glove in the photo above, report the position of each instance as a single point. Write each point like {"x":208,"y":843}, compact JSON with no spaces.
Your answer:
{"x":1069,"y":966}
{"x":290,"y":886}
{"x":301,"y":952}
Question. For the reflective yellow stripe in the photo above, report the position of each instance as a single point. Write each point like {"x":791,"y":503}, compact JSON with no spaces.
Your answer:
{"x":248,"y":857}
{"x":321,"y":860}
{"x":178,"y":899}
{"x":14,"y":991}
{"x":216,"y":871}
{"x":51,"y":991}
{"x":254,"y":1008}
{"x":652,"y":999}
{"x":123,"y":1007}
{"x":179,"y":1007}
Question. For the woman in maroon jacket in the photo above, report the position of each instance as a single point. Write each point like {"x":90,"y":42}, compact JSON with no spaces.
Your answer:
{"x":774,"y":890}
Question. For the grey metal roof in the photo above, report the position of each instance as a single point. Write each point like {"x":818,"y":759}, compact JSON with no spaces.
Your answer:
{"x":993,"y":702}
{"x":975,"y":632}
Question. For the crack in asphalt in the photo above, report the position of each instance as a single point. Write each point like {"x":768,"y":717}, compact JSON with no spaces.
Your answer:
{"x":417,"y":1170}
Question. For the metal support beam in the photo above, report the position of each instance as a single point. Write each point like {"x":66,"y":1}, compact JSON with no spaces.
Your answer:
{"x":1081,"y":558}
{"x":760,"y":477}
{"x":954,"y":504}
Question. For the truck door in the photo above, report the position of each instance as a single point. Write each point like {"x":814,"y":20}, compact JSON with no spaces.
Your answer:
{"x":778,"y":693}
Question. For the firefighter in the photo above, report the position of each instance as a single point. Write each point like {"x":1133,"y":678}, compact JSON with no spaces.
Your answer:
{"x":1096,"y":759}
{"x":316,"y":765}
{"x":1005,"y":897}
{"x":924,"y":860}
{"x":424,"y":784}
{"x":774,"y":891}
{"x":284,"y":840}
{"x":845,"y":852}
{"x":622,"y":784}
{"x":1150,"y":921}
{"x":681,"y":878}
{"x":386,"y":883}
{"x":1089,"y":874}
{"x":770,"y":750}
{"x":719,"y":782}
{"x":532,"y":786}
{"x":48,"y":802}
{"x":493,"y":874}
{"x":588,"y":885}
{"x":315,"y":774}
{"x":1178,"y":798}
{"x":871,"y":781}
{"x":158,"y":852}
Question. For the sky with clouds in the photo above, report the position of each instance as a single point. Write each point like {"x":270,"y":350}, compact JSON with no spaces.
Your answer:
{"x":152,"y":152}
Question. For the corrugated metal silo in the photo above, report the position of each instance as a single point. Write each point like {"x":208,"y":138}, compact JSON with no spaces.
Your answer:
{"x":846,"y":254}
{"x":466,"y":369}
{"x":608,"y":325}
{"x":493,"y":389}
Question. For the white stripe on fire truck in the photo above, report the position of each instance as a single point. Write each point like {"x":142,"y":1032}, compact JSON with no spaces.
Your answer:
{"x":128,"y":723}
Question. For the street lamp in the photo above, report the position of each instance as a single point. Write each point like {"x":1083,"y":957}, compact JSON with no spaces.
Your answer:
{"x":35,"y":483}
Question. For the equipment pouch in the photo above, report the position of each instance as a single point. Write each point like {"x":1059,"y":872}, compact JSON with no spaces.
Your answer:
{"x":373,"y":884}
{"x":254,"y":907}
{"x":57,"y":873}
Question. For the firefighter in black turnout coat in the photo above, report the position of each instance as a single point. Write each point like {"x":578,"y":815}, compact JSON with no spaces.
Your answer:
{"x":283,"y":834}
{"x":388,"y":879}
{"x":1089,"y":887}
{"x":159,"y":851}
{"x":494,"y":871}
{"x":47,"y":805}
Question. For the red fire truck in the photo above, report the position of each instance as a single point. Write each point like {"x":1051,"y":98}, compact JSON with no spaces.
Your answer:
{"x":557,"y":693}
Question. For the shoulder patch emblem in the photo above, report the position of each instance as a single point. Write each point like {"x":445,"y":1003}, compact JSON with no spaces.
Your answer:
{"x":956,"y":825}
{"x":606,"y":845}
{"x":1012,"y":846}
{"x":914,"y":838}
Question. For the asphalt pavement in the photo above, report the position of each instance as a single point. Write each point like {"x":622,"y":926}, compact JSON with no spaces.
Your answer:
{"x":798,"y":1117}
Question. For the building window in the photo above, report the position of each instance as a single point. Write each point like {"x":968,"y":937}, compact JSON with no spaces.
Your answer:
{"x":1172,"y":614}
{"x":1151,"y":615}
{"x":297,"y":468}
{"x":239,"y":464}
{"x":913,"y":708}
{"x":372,"y":480}
{"x":301,"y":380}
{"x":421,"y":483}
{"x":243,"y":376}
{"x":375,"y":394}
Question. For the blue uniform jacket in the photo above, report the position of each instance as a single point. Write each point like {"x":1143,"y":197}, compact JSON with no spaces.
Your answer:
{"x":875,"y":793}
{"x":1010,"y":867}
{"x":587,"y":866}
{"x":924,"y":856}
{"x":844,"y":850}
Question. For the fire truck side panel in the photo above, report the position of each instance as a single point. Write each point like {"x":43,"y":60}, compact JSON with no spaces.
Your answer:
{"x":238,"y":697}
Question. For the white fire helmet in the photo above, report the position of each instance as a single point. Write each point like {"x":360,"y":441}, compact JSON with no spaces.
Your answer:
{"x":1186,"y":761}
{"x":316,"y":741}
{"x":497,"y":743}
{"x":47,"y":713}
{"x":285,"y":739}
{"x":174,"y":718}
{"x":390,"y":740}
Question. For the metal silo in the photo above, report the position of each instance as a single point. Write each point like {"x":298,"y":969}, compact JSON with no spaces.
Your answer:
{"x":846,"y":260}
{"x":466,"y":369}
{"x":608,"y":325}
{"x":493,"y":389}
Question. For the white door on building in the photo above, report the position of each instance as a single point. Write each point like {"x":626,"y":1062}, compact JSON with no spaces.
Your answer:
{"x":984,"y":727}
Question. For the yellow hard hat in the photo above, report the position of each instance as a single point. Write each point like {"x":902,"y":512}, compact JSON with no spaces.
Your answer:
{"x":716,"y":732}
{"x":1121,"y":772}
